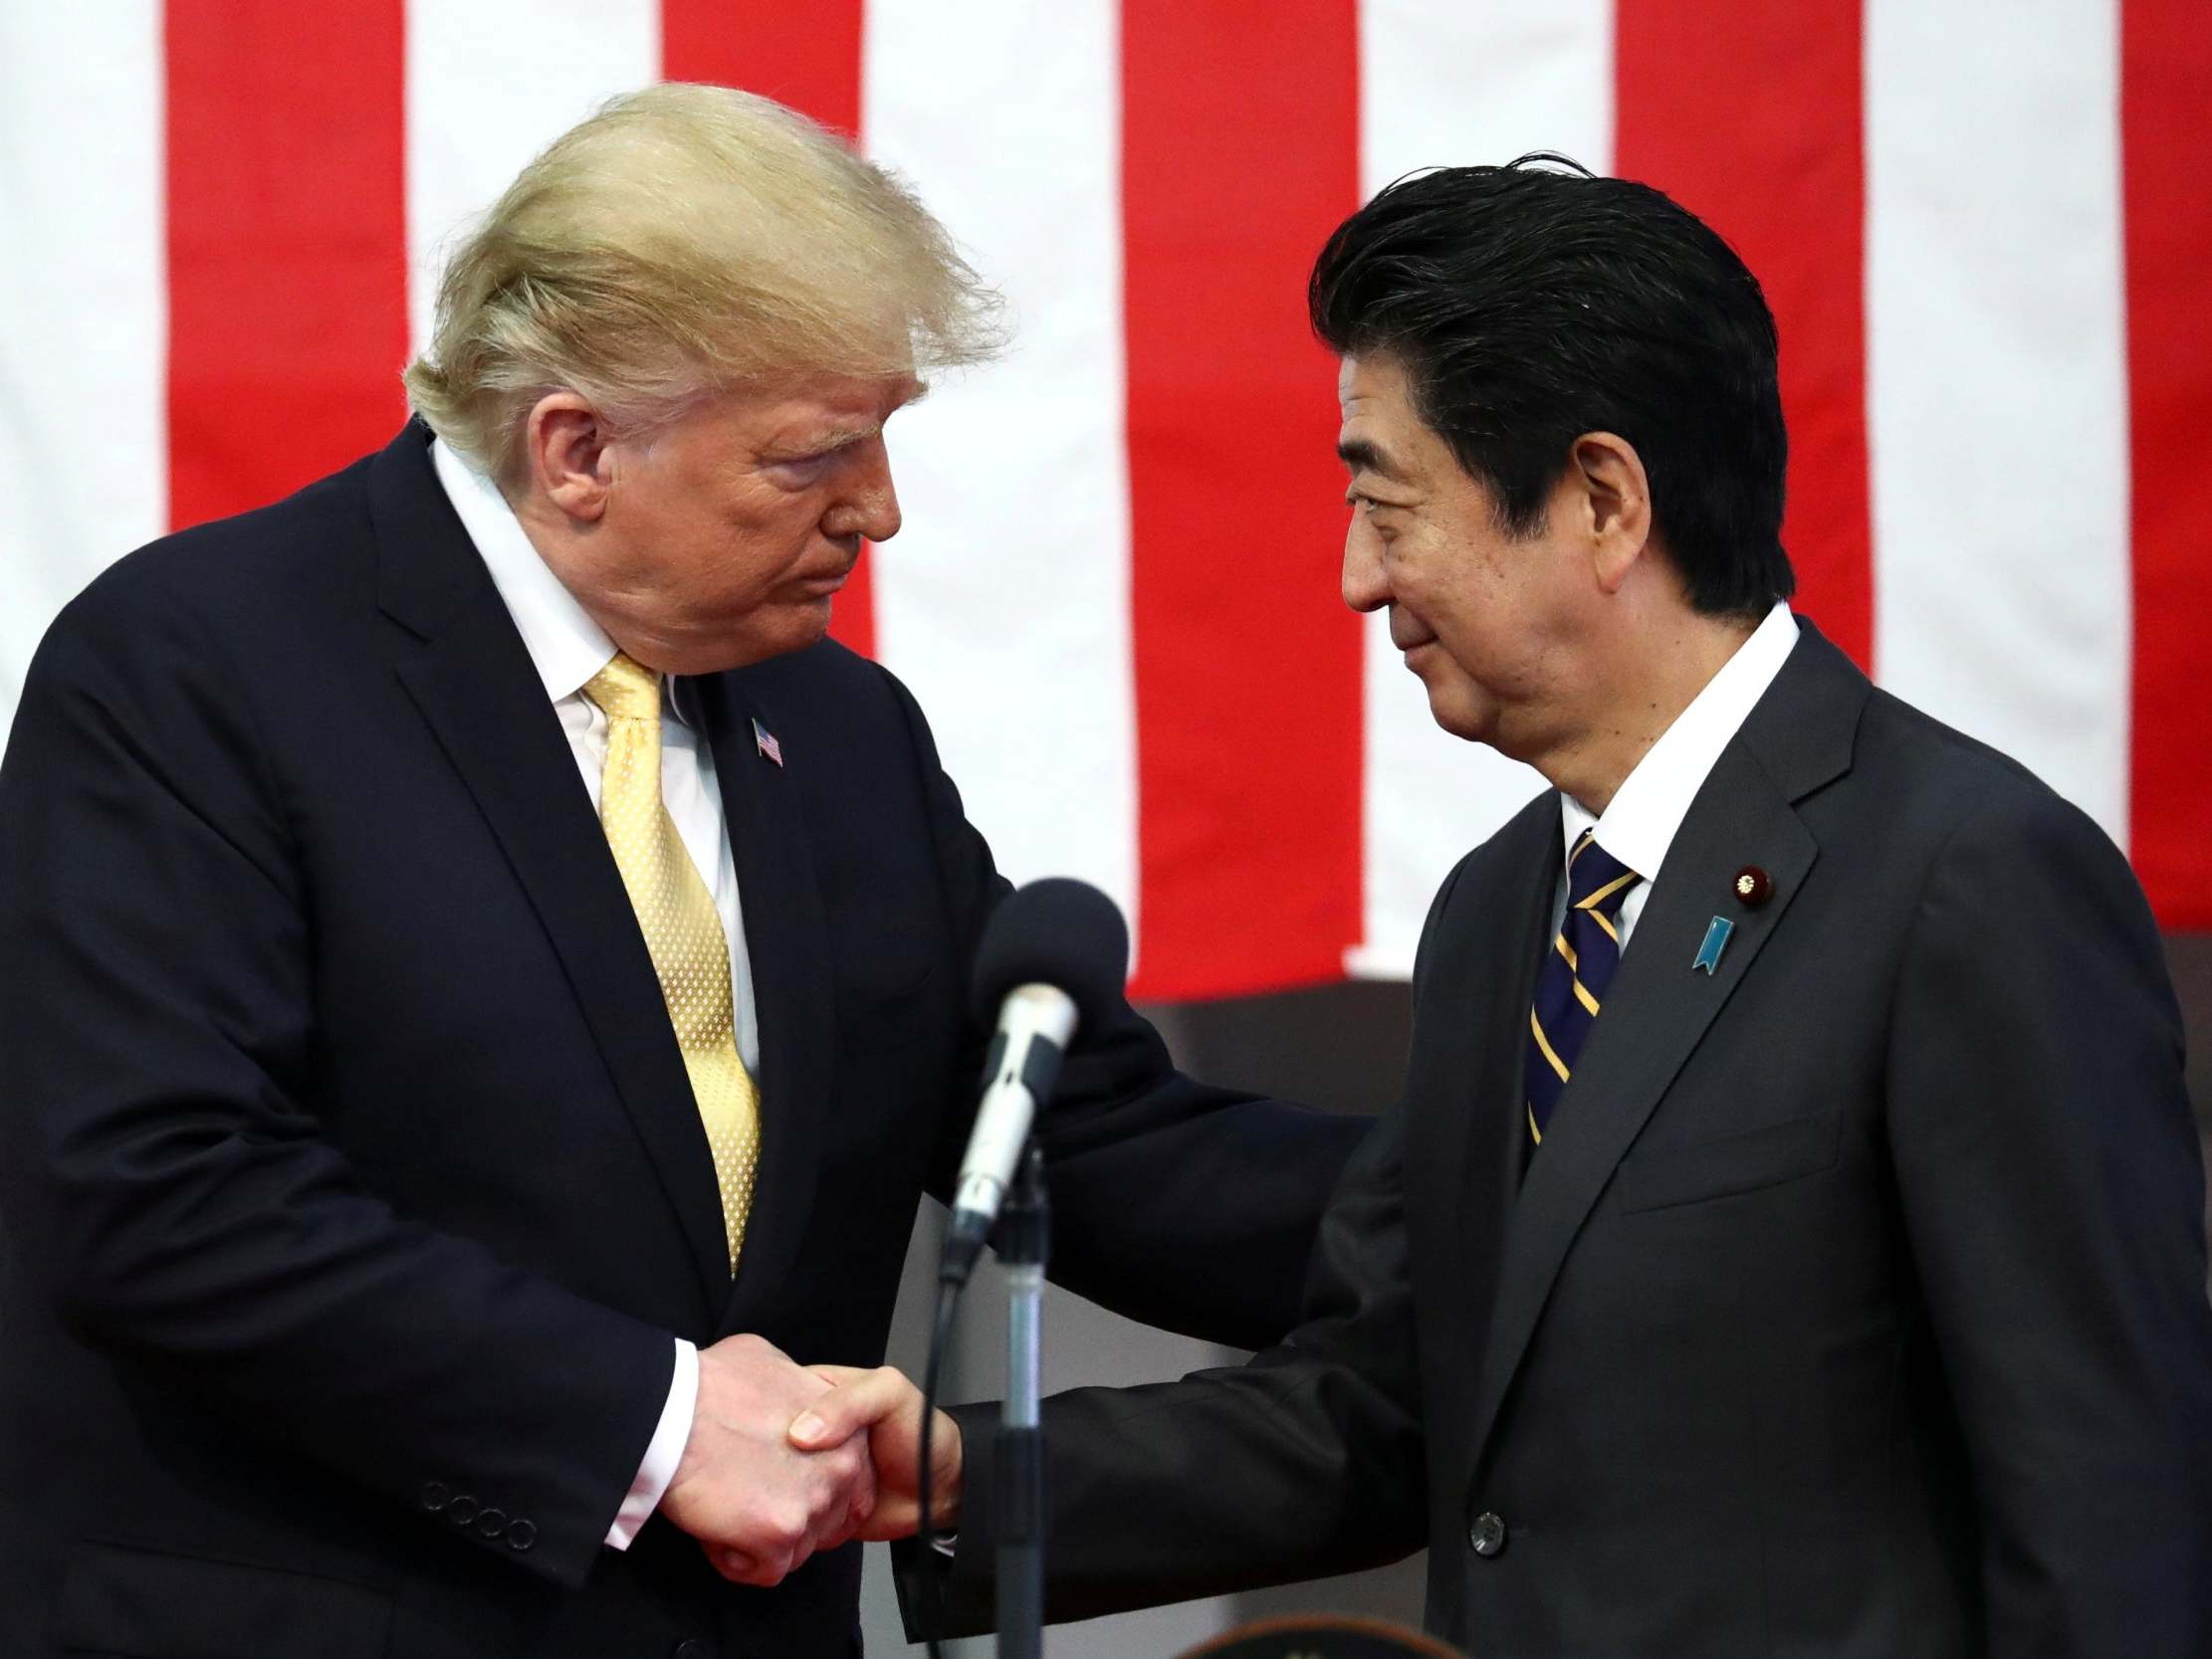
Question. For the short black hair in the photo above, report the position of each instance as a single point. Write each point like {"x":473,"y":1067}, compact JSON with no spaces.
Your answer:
{"x":1530,"y":303}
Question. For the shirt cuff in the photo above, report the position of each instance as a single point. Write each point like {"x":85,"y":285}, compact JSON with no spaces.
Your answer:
{"x":663,"y":1452}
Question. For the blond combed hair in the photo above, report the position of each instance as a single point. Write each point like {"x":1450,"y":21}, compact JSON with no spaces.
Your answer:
{"x":684,"y":240}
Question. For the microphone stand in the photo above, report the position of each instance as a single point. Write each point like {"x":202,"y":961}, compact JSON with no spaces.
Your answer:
{"x":1024,"y":1241}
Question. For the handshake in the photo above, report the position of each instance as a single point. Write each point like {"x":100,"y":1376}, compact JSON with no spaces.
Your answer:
{"x":785,"y":1460}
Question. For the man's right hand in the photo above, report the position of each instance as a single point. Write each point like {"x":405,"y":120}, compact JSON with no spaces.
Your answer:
{"x":759,"y":1505}
{"x":882,"y":1411}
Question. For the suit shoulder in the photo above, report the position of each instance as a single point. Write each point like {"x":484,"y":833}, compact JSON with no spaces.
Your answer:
{"x":1948,"y":802}
{"x":1917,"y":757}
{"x":211,"y":574}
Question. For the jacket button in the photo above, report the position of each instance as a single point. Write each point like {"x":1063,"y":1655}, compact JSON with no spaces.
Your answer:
{"x":1488,"y":1535}
{"x":462,"y":1511}
{"x":491,"y":1523}
{"x":691,"y":1647}
{"x":435,"y":1497}
{"x":520,"y":1536}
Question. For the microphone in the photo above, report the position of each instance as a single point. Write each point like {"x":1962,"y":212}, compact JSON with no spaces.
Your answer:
{"x":1052,"y":960}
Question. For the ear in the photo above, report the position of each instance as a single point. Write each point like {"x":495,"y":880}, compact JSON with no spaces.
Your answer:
{"x":567,"y":456}
{"x":1608,"y":476}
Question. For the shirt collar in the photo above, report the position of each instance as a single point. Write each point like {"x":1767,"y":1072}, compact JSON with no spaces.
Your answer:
{"x":1638,"y":825}
{"x":566,"y":646}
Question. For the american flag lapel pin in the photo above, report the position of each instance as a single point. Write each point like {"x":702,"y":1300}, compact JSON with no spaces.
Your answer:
{"x":765,"y":740}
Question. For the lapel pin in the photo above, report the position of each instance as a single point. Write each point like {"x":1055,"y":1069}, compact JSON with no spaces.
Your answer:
{"x":1717,"y":941}
{"x":1754,"y":886}
{"x":765,"y":740}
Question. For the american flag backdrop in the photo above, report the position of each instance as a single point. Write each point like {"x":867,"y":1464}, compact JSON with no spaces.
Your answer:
{"x":1986,"y":231}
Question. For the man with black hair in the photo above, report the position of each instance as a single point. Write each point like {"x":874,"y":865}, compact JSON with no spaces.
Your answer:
{"x":1790,"y":1237}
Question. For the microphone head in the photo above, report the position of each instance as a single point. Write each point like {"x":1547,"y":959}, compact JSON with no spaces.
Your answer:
{"x":1060,"y":932}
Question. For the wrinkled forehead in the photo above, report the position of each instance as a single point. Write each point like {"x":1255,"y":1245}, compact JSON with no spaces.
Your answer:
{"x":1379,"y":432}
{"x":855,"y":400}
{"x":1372,"y":389}
{"x":1346,"y":374}
{"x":873,"y":397}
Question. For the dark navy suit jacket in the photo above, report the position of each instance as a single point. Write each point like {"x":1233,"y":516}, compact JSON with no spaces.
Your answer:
{"x":351,"y":1179}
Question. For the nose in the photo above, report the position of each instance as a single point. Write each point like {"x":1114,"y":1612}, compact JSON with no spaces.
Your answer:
{"x":868,"y":506}
{"x":1366,"y":584}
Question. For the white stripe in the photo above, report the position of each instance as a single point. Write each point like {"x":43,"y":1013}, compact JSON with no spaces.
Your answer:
{"x":491,"y":82}
{"x":1005,"y":601}
{"x":1454,"y":87}
{"x":1997,"y":381}
{"x":84,"y":429}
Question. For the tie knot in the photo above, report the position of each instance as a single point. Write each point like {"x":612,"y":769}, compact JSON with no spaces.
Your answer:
{"x":626,"y":689}
{"x":1596,"y":880}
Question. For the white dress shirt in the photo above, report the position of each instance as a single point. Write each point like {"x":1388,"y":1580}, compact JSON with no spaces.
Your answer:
{"x":567,"y":648}
{"x":1639,"y":824}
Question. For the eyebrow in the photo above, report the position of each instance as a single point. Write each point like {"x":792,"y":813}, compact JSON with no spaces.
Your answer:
{"x":837,"y":438}
{"x":1363,"y":455}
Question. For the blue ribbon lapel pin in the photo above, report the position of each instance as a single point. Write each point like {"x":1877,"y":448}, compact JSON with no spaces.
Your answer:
{"x":1717,"y":941}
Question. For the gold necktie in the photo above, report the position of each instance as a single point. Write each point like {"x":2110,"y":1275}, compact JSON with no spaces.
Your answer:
{"x":682,"y":931}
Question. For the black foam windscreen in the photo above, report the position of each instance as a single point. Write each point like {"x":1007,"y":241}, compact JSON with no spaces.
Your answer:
{"x":1057,"y":932}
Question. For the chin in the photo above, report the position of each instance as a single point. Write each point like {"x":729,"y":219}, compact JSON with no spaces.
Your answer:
{"x":755,"y":637}
{"x":1460,"y":716}
{"x":790,"y":628}
{"x":808,"y":624}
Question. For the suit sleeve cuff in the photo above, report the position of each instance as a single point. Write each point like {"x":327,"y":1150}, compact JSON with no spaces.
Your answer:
{"x":663,"y":1452}
{"x":956,"y":1595}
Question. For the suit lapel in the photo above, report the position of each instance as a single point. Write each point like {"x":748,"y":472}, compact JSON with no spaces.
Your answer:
{"x":786,"y":936}
{"x":1659,"y":1008}
{"x":1477,"y":990}
{"x":475,"y":686}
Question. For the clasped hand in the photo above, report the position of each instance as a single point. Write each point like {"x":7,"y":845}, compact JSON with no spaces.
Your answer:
{"x":785,"y":1460}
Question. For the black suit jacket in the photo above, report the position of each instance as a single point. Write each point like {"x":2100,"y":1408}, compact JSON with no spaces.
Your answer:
{"x":351,"y":1182}
{"x":1855,"y":1303}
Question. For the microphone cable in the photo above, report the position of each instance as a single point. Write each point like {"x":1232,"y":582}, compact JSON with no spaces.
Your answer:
{"x":950,"y":1285}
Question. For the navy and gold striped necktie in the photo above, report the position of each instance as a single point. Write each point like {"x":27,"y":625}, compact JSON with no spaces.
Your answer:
{"x":1571,"y":987}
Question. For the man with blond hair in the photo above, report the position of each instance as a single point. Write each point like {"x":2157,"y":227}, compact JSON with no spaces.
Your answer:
{"x":489,"y":975}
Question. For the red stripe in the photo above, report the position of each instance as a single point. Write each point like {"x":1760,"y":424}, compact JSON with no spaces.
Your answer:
{"x":1239,"y":153}
{"x":1748,"y":114}
{"x":2165,"y":85}
{"x":806,"y":57}
{"x":286,"y":245}
{"x":809,"y":58}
